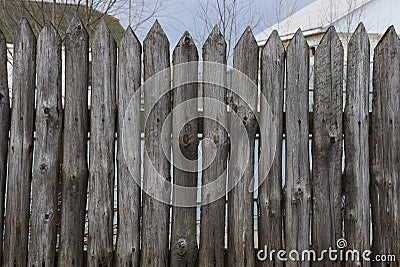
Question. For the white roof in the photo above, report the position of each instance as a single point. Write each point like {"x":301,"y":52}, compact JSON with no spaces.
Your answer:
{"x":345,"y":15}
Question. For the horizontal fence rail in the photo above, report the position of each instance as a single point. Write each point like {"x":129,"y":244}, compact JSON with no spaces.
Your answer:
{"x":189,"y":179}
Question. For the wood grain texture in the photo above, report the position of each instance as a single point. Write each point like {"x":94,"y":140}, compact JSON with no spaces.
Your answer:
{"x":212,"y":226}
{"x":102,"y":149}
{"x":5,"y":116}
{"x":297,"y":187}
{"x":327,"y":143}
{"x":184,"y":248}
{"x":129,"y":79}
{"x":270,"y":203}
{"x":357,"y":221}
{"x":47,"y":156}
{"x":241,"y":197}
{"x":21,"y":147}
{"x":75,"y":171}
{"x":385,"y":147}
{"x":156,"y":214}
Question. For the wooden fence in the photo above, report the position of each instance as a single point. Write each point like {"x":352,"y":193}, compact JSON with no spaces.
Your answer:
{"x":308,"y":212}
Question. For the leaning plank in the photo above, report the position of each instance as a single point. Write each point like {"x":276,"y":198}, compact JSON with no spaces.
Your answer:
{"x":356,"y":122}
{"x":241,"y":198}
{"x":212,"y":230}
{"x":129,"y":77}
{"x":21,"y":147}
{"x":102,"y":149}
{"x":384,"y":147}
{"x":327,"y":143}
{"x":155,"y":238}
{"x":74,"y":169}
{"x":46,"y":165}
{"x":5,"y":128}
{"x":270,"y":191}
{"x":184,"y":146}
{"x":297,"y":187}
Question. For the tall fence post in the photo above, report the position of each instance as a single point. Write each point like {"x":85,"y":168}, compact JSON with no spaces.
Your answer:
{"x":357,"y":222}
{"x":297,"y":187}
{"x":129,"y":79}
{"x":184,"y":146}
{"x":384,"y":147}
{"x":5,"y":128}
{"x":102,"y":148}
{"x":270,"y":191}
{"x":212,"y":226}
{"x":241,"y":197}
{"x":47,"y":157}
{"x":327,"y":143}
{"x":75,"y":167}
{"x":21,"y":147}
{"x":155,"y":238}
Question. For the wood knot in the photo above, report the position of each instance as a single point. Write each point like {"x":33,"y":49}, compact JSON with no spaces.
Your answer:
{"x":182,"y":246}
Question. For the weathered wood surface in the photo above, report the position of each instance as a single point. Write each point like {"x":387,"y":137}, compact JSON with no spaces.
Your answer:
{"x":241,"y":197}
{"x":356,"y":124}
{"x":21,"y":147}
{"x":297,"y":187}
{"x":129,"y":79}
{"x":102,"y":149}
{"x":47,"y":157}
{"x":385,"y":147}
{"x":184,"y":146}
{"x":327,"y":143}
{"x":270,"y":191}
{"x":75,"y":171}
{"x":5,"y":115}
{"x":212,"y":227}
{"x":155,"y":234}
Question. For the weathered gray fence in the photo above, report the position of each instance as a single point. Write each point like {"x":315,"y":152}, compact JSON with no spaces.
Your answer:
{"x":315,"y":208}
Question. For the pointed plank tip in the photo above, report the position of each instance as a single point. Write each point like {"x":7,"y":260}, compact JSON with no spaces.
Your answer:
{"x":390,"y":35}
{"x":50,"y":31}
{"x":130,"y":37}
{"x":186,"y":42}
{"x":76,"y":27}
{"x":359,"y":34}
{"x":215,"y":37}
{"x":155,"y":30}
{"x":274,"y":40}
{"x":298,"y":38}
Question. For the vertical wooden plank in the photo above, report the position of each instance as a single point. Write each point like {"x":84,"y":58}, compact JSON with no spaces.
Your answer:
{"x":21,"y":147}
{"x":385,"y":147}
{"x":327,"y":143}
{"x":240,"y":198}
{"x":270,"y":191}
{"x":46,"y":165}
{"x":155,"y":238}
{"x":74,"y":169}
{"x":184,"y":144}
{"x":129,"y":79}
{"x":356,"y":122}
{"x":102,"y":149}
{"x":297,"y":187}
{"x":212,"y":230}
{"x":4,"y":131}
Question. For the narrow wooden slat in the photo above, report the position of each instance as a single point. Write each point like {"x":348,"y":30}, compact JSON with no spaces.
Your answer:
{"x":21,"y":147}
{"x":327,"y":143}
{"x":212,"y":224}
{"x":356,"y":123}
{"x":75,"y":171}
{"x":102,"y":149}
{"x":47,"y":157}
{"x":5,"y":115}
{"x":129,"y":77}
{"x":184,"y":144}
{"x":155,"y":237}
{"x":270,"y":191}
{"x":385,"y":147}
{"x":240,"y":198}
{"x":297,"y":187}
